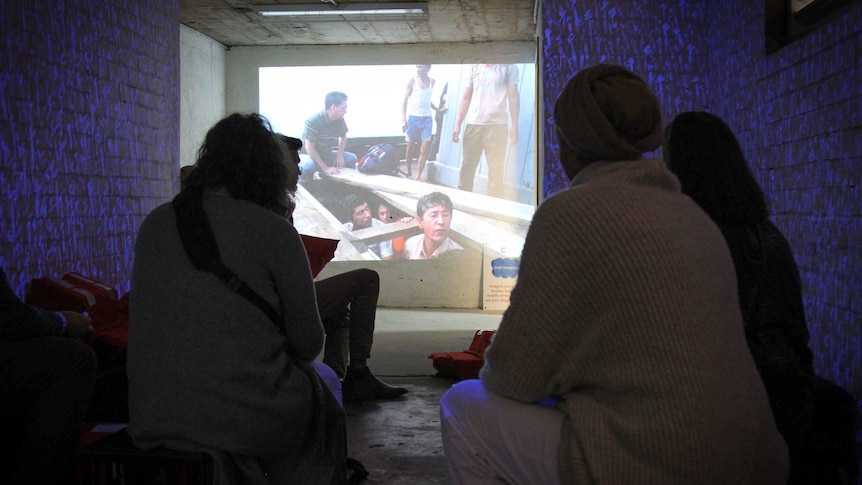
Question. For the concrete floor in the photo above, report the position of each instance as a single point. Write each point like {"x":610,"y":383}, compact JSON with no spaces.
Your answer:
{"x":398,"y":441}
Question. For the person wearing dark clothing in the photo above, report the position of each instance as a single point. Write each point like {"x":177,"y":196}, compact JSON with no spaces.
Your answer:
{"x":705,"y":155}
{"x":348,"y":306}
{"x":46,"y":378}
{"x":771,"y":297}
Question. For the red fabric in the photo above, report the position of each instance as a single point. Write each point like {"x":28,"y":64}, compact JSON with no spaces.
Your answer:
{"x":320,"y":251}
{"x":465,"y":364}
{"x":481,"y":341}
{"x":76,"y":292}
{"x":79,"y":293}
{"x":116,"y":335}
{"x":55,"y":294}
{"x":105,"y":312}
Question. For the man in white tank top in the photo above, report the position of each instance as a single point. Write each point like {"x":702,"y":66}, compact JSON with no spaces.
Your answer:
{"x":416,"y":117}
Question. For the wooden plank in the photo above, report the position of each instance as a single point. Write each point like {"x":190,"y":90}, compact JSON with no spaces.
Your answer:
{"x":313,"y":219}
{"x":386,"y":232}
{"x":479,"y":204}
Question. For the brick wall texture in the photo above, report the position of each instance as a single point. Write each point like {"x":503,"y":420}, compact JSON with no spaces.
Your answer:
{"x":89,"y":136}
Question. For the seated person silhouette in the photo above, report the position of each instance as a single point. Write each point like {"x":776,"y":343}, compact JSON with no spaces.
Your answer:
{"x":46,"y":379}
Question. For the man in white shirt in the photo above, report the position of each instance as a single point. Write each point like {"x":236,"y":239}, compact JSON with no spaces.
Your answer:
{"x":489,"y":101}
{"x":434,"y":212}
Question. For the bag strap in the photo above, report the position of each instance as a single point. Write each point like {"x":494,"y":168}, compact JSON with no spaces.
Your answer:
{"x":201,"y":248}
{"x":234,"y":282}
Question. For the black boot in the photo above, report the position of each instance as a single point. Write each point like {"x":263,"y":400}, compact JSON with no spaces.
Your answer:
{"x":361,"y":385}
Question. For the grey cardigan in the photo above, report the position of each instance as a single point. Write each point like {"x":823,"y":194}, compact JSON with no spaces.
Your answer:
{"x":207,"y":369}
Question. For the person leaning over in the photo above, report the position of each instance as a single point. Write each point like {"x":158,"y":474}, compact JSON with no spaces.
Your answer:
{"x":621,"y":357}
{"x":325,"y":138}
{"x":46,"y":378}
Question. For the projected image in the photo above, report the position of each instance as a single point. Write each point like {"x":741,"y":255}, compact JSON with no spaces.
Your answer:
{"x":382,"y":142}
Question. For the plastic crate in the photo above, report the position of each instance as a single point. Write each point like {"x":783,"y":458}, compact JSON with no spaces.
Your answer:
{"x":115,"y":460}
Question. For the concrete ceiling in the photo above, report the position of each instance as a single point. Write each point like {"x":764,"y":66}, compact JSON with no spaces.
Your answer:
{"x":236,"y":23}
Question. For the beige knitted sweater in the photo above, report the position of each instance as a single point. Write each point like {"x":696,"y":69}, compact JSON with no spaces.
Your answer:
{"x":626,"y":307}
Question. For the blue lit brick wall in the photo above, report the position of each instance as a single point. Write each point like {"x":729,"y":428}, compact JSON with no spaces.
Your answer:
{"x":89,"y":137}
{"x":661,"y":41}
{"x":796,"y":113}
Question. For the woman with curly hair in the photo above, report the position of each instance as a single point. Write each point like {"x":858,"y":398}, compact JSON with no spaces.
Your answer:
{"x":209,"y":370}
{"x":244,"y":158}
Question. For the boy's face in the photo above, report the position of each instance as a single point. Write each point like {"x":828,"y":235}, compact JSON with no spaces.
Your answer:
{"x":383,"y":213}
{"x":435,"y":223}
{"x":361,"y":216}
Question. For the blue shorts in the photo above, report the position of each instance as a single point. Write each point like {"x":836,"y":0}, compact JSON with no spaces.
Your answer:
{"x":418,"y":128}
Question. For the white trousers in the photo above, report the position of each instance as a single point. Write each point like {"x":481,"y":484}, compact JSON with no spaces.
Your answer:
{"x":489,"y":439}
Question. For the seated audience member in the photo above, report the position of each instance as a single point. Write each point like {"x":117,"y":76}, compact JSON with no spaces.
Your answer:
{"x":325,"y":138}
{"x":209,"y":369}
{"x":348,"y":306}
{"x":360,"y":218}
{"x":622,"y":356}
{"x":434,"y":214}
{"x":46,"y":378}
{"x":347,"y":303}
{"x":706,"y":157}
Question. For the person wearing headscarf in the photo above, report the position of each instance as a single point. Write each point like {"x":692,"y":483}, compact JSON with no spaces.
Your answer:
{"x":622,"y":356}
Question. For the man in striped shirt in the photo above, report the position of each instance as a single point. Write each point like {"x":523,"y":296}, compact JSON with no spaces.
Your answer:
{"x":325,"y":138}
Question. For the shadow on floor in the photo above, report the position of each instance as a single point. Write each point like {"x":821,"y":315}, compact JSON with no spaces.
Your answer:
{"x":399,"y":441}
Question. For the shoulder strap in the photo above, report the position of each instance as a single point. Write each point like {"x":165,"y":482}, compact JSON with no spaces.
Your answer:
{"x":201,"y":248}
{"x":234,"y":282}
